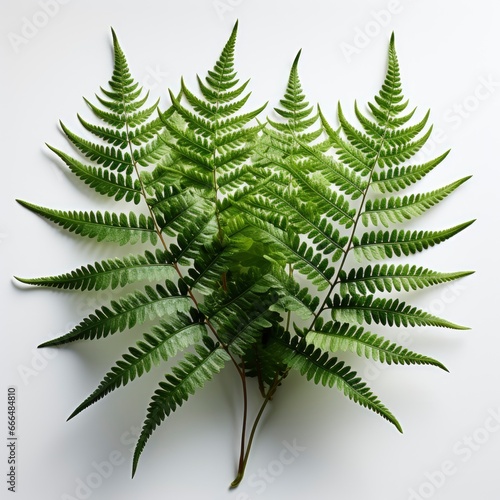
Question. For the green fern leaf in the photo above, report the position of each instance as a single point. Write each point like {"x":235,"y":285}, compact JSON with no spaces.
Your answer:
{"x":387,"y":211}
{"x":110,"y":227}
{"x":127,"y":312}
{"x":317,"y":366}
{"x":188,"y":376}
{"x":104,"y":182}
{"x":397,"y":136}
{"x":397,"y":178}
{"x":212,"y":140}
{"x":334,"y":336}
{"x":383,"y":244}
{"x":112,"y":273}
{"x":112,"y":136}
{"x":385,"y":312}
{"x":161,"y":345}
{"x":386,"y":278}
{"x":107,"y":156}
{"x":247,"y":220}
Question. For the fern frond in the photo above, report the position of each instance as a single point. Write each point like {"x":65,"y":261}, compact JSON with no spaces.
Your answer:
{"x":107,"y":156}
{"x":384,"y":244}
{"x":111,"y":273}
{"x":397,"y":178}
{"x":387,"y":211}
{"x":334,"y":336}
{"x":188,"y":376}
{"x":212,"y":138}
{"x":302,"y":217}
{"x":174,"y":209}
{"x":103,"y":181}
{"x":385,"y":312}
{"x":130,"y":138}
{"x":133,"y":309}
{"x":395,"y":154}
{"x":304,"y":257}
{"x":389,"y":102}
{"x":386,"y":278}
{"x":400,"y":135}
{"x":346,"y":180}
{"x":113,"y":136}
{"x":110,"y":227}
{"x":317,"y":366}
{"x":240,"y":208}
{"x":161,"y":344}
{"x":298,"y":118}
{"x":193,"y":238}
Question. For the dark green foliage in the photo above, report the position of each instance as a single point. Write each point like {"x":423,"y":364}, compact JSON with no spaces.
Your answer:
{"x":251,"y":227}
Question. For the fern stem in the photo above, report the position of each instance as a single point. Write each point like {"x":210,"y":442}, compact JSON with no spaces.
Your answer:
{"x":260,"y":379}
{"x":289,"y":189}
{"x":244,"y":460}
{"x":214,"y":156}
{"x":349,"y":245}
{"x":175,"y":265}
{"x":245,"y":413}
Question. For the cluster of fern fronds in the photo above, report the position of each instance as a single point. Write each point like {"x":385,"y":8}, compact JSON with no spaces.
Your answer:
{"x":251,"y":223}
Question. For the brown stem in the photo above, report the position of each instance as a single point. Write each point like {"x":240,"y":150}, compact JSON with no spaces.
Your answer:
{"x":243,"y":462}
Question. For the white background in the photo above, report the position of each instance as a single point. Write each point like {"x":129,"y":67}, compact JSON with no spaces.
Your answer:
{"x":448,"y":50}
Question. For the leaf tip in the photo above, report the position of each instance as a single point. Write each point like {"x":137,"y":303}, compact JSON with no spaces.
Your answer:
{"x":296,"y":60}
{"x":22,"y":203}
{"x":21,"y":280}
{"x":74,"y":414}
{"x":135,"y":462}
{"x":114,"y":36}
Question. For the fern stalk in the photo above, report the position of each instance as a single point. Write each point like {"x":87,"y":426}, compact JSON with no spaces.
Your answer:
{"x":349,"y":247}
{"x":119,"y":53}
{"x":243,"y":460}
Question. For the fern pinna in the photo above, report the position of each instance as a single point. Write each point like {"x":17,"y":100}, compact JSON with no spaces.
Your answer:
{"x":250,"y":225}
